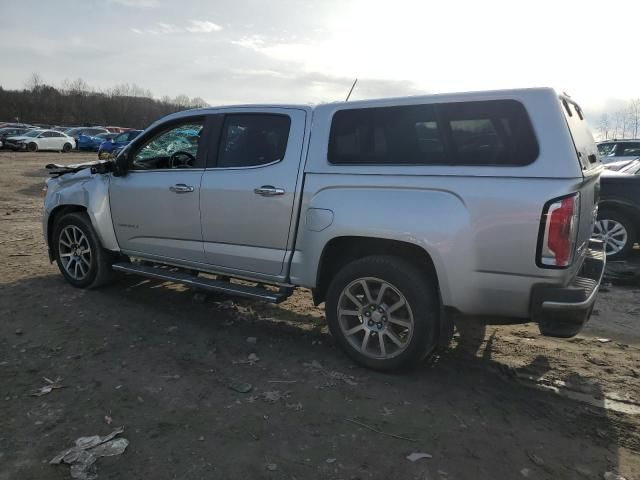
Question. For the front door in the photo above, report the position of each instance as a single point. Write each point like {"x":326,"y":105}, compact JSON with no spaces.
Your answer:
{"x":247,"y":196}
{"x":155,"y":207}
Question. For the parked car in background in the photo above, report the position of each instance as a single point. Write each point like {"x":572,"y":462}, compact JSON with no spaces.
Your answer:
{"x":615,"y":154}
{"x":398,"y":214}
{"x":15,"y":125}
{"x":11,"y":132}
{"x":77,"y":131}
{"x":117,"y":129}
{"x":93,"y":142}
{"x":35,"y":140}
{"x":618,"y":222}
{"x":111,"y":147}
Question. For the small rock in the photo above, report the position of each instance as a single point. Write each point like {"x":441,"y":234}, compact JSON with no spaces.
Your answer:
{"x":613,"y":476}
{"x":252,"y":340}
{"x":241,"y":387}
{"x":201,"y":439}
{"x":535,"y":459}
{"x":330,"y":460}
{"x":525,"y":472}
{"x":172,"y":329}
{"x":272,"y":467}
{"x":18,"y":331}
{"x":603,"y":340}
{"x":140,"y":400}
{"x":253,"y":357}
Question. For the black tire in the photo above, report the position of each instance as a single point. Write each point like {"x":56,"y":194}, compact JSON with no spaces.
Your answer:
{"x":99,"y":270}
{"x":32,"y":147}
{"x":609,"y":214}
{"x":66,"y":148}
{"x":420,"y":293}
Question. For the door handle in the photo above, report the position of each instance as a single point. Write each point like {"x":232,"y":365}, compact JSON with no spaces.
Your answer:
{"x":181,"y":188}
{"x":268,"y":191}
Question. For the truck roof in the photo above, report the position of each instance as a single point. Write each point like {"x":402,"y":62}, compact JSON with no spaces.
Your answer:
{"x":475,"y":95}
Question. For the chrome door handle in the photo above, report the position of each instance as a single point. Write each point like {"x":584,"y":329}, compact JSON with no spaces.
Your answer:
{"x":181,"y":188}
{"x":268,"y":191}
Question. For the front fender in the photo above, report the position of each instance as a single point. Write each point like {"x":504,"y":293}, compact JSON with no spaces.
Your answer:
{"x":87,"y":190}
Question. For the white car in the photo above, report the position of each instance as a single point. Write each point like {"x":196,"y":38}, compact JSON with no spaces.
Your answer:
{"x":35,"y":140}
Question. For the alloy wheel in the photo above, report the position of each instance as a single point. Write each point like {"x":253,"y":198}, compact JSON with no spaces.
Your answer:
{"x":75,"y":252}
{"x":375,"y":318}
{"x":612,"y":234}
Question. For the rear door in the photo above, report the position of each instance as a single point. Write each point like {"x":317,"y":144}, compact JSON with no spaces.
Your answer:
{"x":248,"y":189}
{"x":589,"y":159}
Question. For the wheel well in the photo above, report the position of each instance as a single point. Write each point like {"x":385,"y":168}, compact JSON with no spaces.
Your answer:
{"x":630,"y":212}
{"x":57,"y":213}
{"x":342,"y":250}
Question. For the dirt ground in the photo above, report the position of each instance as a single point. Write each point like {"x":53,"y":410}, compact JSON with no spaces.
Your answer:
{"x":501,"y":403}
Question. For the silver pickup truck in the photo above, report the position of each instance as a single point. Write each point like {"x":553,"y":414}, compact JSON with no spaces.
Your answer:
{"x":398,"y":214}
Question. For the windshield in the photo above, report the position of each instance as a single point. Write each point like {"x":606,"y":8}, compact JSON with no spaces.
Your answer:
{"x":33,"y":133}
{"x":605,"y":149}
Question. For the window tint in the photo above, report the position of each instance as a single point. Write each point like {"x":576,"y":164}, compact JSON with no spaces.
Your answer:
{"x":55,"y":134}
{"x":388,"y":135}
{"x":628,"y":149}
{"x":253,"y":139}
{"x":122,"y":138}
{"x":468,"y":133}
{"x":606,"y":148}
{"x":173,"y":148}
{"x":495,"y":132}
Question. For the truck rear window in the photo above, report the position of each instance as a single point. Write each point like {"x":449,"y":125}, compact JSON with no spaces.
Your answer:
{"x":496,"y":132}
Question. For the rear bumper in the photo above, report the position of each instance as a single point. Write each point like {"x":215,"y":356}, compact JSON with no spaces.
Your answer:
{"x":563,"y":311}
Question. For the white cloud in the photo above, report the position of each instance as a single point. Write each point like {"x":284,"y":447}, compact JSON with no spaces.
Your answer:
{"x":136,"y":3}
{"x":167,"y":28}
{"x":137,"y":30}
{"x":203,"y":26}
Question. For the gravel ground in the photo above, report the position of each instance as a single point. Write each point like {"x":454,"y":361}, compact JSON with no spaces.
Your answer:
{"x":501,"y":403}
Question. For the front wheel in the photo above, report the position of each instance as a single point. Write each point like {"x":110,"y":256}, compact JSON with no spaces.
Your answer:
{"x":32,"y":147}
{"x":383,"y":312}
{"x":66,"y":148}
{"x":616,"y":232}
{"x":80,"y":257}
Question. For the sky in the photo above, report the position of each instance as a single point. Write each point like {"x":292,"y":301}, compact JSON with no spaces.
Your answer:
{"x":258,"y":51}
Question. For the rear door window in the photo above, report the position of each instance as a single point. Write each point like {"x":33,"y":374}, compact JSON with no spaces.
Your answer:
{"x":250,"y":140}
{"x":628,"y":149}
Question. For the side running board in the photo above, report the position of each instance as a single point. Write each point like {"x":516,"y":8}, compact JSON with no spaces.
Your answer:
{"x":172,"y":275}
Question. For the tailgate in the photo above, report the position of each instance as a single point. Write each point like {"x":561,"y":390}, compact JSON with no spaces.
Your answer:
{"x":589,"y":160}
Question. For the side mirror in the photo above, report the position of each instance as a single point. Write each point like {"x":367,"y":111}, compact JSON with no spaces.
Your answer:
{"x":122,"y":164}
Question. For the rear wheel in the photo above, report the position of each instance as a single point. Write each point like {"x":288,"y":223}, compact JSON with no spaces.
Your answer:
{"x":66,"y":148}
{"x":80,"y":257}
{"x":617,"y":232}
{"x":32,"y":147}
{"x":383,"y":312}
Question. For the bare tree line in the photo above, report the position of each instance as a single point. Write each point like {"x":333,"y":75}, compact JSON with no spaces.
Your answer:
{"x":74,"y":102}
{"x":624,"y":123}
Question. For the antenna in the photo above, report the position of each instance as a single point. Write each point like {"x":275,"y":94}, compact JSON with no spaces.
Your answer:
{"x":352,"y":87}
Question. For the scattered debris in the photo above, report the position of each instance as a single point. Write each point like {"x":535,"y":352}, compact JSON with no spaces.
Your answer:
{"x":613,"y":476}
{"x":272,"y":467}
{"x":253,"y":340}
{"x":294,"y":406}
{"x":314,"y":364}
{"x":330,"y":460}
{"x":83,"y":456}
{"x":373,"y":429}
{"x":414,"y":457}
{"x":525,"y":472}
{"x":252,"y":359}
{"x":108,"y":420}
{"x":333,"y":375}
{"x":172,"y":329}
{"x":51,"y":385}
{"x":275,"y":395}
{"x":171,"y":377}
{"x":603,"y":340}
{"x":241,"y":387}
{"x":535,"y":459}
{"x":386,"y":412}
{"x":282,"y":381}
{"x":18,"y":331}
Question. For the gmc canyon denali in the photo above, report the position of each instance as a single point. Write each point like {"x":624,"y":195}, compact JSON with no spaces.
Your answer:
{"x":398,"y":213}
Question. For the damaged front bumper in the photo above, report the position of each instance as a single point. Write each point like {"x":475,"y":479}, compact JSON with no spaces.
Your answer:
{"x":563,"y":311}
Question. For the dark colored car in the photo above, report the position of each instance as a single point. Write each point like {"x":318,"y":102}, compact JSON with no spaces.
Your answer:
{"x":619,"y":210}
{"x":93,"y":142}
{"x":11,"y":132}
{"x":111,"y":147}
{"x":76,"y":132}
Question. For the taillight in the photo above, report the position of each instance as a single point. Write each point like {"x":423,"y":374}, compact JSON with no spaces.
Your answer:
{"x":558,"y":230}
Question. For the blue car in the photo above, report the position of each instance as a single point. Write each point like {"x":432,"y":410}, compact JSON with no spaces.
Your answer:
{"x":112,"y":146}
{"x":93,"y":142}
